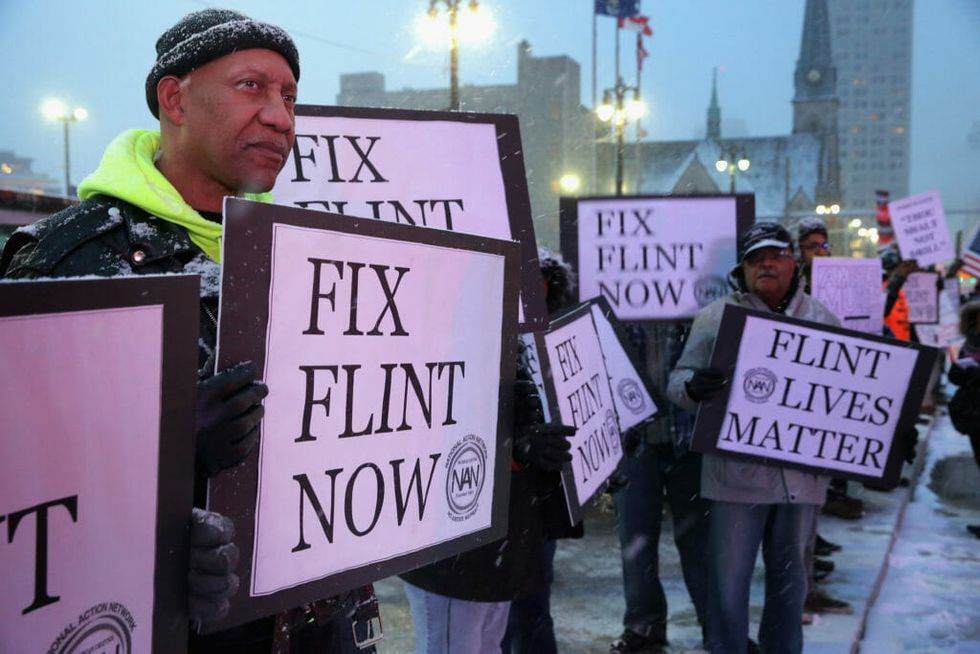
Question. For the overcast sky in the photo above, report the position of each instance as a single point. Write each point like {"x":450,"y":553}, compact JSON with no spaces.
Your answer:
{"x":97,"y":53}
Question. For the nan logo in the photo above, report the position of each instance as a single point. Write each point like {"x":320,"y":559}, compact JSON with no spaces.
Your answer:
{"x":103,"y":627}
{"x":759,"y":384}
{"x":630,"y":394}
{"x":709,"y":288}
{"x":466,"y":469}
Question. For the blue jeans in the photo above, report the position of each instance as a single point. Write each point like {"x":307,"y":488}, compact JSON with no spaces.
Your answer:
{"x":736,"y":531}
{"x":652,"y":472}
{"x":444,"y":625}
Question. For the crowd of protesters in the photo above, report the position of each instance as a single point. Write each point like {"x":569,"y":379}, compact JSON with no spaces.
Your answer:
{"x":223,"y":87}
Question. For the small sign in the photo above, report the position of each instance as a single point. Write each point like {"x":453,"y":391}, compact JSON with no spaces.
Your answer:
{"x":921,"y":229}
{"x":823,"y":399}
{"x":851,"y":289}
{"x":654,"y":257}
{"x":579,"y":395}
{"x":385,"y":443}
{"x":96,"y":463}
{"x":922,"y":294}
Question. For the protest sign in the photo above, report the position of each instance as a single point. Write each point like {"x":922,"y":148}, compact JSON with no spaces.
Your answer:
{"x":851,"y":289}
{"x":96,"y":463}
{"x":654,"y":257}
{"x":921,"y":229}
{"x":579,"y":395}
{"x":946,"y":333}
{"x":636,"y":397}
{"x":462,"y":172}
{"x":389,"y":355}
{"x":922,"y":294}
{"x":824,"y":399}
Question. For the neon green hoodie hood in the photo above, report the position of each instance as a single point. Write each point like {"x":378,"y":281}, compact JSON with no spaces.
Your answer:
{"x":127,"y":171}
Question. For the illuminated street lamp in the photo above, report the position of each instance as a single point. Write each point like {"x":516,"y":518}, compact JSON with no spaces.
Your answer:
{"x":55,"y":109}
{"x":824,"y":209}
{"x":472,"y":24}
{"x":728,"y":160}
{"x":616,"y":110}
{"x":570,"y":183}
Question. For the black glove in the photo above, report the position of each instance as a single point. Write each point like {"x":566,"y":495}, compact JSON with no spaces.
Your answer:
{"x":228,"y":413}
{"x":911,"y":444}
{"x":632,"y":439}
{"x":543,"y":446}
{"x":211,"y":579}
{"x":705,"y":383}
{"x":527,"y":404}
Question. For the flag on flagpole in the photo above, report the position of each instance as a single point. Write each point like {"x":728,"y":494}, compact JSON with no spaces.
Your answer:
{"x":971,"y":256}
{"x":641,"y":52}
{"x":640,"y":24}
{"x":619,"y":8}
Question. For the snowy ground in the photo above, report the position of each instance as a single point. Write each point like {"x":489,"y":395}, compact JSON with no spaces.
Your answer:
{"x":927,"y":579}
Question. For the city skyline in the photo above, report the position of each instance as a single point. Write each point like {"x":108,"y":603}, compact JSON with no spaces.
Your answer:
{"x":89,"y":62}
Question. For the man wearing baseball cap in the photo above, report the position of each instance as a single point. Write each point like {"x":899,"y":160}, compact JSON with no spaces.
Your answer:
{"x":752,"y":504}
{"x":223,"y":87}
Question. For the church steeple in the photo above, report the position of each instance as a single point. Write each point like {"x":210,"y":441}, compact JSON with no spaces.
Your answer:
{"x":714,"y":111}
{"x":816,"y":75}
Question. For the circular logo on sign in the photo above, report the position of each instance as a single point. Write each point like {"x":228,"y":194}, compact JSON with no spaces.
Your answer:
{"x":103,"y":627}
{"x":759,"y":384}
{"x":612,"y":430}
{"x":708,"y":289}
{"x":631,"y":395}
{"x":466,"y":469}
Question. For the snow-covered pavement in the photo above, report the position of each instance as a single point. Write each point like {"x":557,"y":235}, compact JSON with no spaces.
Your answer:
{"x":916,"y":592}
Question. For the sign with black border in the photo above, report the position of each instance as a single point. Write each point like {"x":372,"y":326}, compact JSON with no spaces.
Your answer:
{"x":97,"y":462}
{"x":458,"y":171}
{"x":922,"y":295}
{"x":654,"y":257}
{"x":389,"y":352}
{"x":813,"y":397}
{"x":579,"y":395}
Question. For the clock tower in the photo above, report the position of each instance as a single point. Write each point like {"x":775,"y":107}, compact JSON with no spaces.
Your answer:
{"x":815,"y":102}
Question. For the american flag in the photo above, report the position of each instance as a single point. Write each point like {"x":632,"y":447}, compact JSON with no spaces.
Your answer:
{"x":971,"y":256}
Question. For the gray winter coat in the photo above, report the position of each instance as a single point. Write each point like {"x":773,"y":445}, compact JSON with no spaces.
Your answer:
{"x":737,"y":480}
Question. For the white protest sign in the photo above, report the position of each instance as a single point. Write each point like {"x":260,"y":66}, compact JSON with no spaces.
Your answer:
{"x":827,"y":399}
{"x":383,"y":445}
{"x":947,"y":332}
{"x":655,"y":257}
{"x":634,"y":402}
{"x":580,"y":396}
{"x":96,"y":463}
{"x":460,"y":172}
{"x":851,"y":289}
{"x":922,"y":294}
{"x":921,"y":230}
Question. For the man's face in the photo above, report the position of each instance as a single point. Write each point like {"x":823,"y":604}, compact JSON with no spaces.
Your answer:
{"x":769,"y":272}
{"x":239,"y":122}
{"x":814,"y":245}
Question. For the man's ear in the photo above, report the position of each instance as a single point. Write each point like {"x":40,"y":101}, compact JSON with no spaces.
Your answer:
{"x":170,"y":96}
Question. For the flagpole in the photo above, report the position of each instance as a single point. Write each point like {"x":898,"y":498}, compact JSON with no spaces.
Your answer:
{"x":595,"y":21}
{"x":616,"y":27}
{"x":636,"y":148}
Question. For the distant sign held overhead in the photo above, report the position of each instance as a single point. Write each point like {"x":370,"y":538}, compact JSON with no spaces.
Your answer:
{"x":851,"y":288}
{"x":654,"y":257}
{"x":921,"y":230}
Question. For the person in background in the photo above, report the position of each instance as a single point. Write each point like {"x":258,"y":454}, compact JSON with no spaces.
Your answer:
{"x":964,"y":406}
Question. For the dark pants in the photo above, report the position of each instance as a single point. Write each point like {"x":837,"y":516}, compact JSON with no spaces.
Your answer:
{"x":529,"y":627}
{"x":653,"y":472}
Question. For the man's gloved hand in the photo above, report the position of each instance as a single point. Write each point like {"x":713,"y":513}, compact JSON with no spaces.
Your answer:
{"x":543,"y":446}
{"x":228,"y":412}
{"x":705,"y":383}
{"x":527,"y":404}
{"x":911,"y":443}
{"x":211,"y":579}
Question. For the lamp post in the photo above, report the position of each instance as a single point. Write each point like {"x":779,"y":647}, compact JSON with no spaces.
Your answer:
{"x":733,"y":163}
{"x":57,"y":110}
{"x":618,"y":114}
{"x":472,"y":24}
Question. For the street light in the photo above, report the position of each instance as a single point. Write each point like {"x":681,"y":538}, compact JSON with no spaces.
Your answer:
{"x":570,"y":183}
{"x":824,"y":209}
{"x":472,"y":24}
{"x":728,"y":160}
{"x":615,"y":109}
{"x":55,"y":109}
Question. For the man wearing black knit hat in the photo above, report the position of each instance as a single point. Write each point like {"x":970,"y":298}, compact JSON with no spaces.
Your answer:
{"x":223,"y":87}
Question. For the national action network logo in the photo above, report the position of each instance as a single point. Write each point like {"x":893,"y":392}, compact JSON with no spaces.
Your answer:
{"x":106,"y":627}
{"x":466,"y":469}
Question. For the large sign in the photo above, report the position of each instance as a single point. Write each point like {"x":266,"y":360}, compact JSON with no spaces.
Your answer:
{"x":851,"y":288}
{"x":828,"y":400}
{"x":654,"y":257}
{"x":922,"y":294}
{"x":389,"y":352}
{"x":921,"y":229}
{"x":579,"y":395}
{"x":96,"y":463}
{"x":462,"y":172}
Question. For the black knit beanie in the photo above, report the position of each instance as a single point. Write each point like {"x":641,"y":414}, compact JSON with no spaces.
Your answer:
{"x":206,"y":35}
